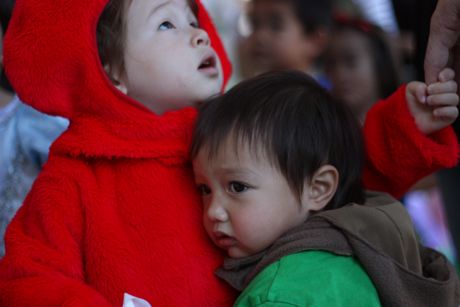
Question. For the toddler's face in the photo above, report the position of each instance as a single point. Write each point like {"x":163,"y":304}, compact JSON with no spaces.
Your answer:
{"x":169,"y":61}
{"x":278,"y":40}
{"x":248,"y":203}
{"x":350,"y":68}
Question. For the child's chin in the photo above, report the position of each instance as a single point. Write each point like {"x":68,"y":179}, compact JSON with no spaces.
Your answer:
{"x":216,"y":89}
{"x":235,"y":252}
{"x":211,"y":93}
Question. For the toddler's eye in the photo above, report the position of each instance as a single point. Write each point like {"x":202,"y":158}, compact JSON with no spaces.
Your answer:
{"x":203,"y":189}
{"x":237,"y":187}
{"x":166,"y":25}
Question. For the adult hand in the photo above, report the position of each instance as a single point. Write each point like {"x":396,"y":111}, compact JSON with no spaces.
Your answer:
{"x":443,"y":48}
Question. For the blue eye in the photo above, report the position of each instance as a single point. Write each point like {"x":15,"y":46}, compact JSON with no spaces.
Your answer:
{"x":237,"y":187}
{"x":166,"y":25}
{"x":203,"y":189}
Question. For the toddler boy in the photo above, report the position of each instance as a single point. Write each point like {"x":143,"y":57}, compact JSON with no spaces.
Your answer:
{"x":278,"y":163}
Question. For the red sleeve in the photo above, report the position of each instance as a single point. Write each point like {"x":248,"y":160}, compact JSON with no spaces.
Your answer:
{"x":397,"y":153}
{"x":43,"y":264}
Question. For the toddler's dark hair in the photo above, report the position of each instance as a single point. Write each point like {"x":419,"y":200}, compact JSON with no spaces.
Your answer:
{"x":294,"y":122}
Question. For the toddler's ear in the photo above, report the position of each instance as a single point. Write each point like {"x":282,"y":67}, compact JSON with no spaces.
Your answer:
{"x":116,"y":80}
{"x":321,"y":188}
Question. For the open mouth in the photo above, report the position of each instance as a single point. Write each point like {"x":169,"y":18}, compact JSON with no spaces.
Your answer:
{"x":208,"y":62}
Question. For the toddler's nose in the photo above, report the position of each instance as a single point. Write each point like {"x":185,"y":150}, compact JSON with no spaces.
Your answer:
{"x":216,"y":212}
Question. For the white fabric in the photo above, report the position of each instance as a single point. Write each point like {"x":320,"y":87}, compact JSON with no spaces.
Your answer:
{"x":132,"y":301}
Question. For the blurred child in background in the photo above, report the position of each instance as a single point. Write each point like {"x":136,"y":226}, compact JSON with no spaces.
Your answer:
{"x":360,"y":65}
{"x":289,"y":34}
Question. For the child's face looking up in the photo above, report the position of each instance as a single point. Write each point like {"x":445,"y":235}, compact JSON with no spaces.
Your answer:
{"x":248,"y":203}
{"x":278,"y":40}
{"x":169,"y":61}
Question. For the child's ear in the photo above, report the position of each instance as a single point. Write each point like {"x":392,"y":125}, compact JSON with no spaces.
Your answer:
{"x":321,"y":188}
{"x":116,"y":80}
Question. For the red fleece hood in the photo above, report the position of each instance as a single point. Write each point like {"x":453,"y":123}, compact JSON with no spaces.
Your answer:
{"x":52,"y":61}
{"x":55,"y":66}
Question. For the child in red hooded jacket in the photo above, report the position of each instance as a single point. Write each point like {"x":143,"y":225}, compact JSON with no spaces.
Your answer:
{"x":115,"y":209}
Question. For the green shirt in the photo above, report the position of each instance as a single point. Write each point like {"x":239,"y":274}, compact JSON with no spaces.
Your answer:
{"x":311,"y":278}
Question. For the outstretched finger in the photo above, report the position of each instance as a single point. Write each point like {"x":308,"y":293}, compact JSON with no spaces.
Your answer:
{"x":436,"y":58}
{"x":456,"y":64}
{"x":443,"y":36}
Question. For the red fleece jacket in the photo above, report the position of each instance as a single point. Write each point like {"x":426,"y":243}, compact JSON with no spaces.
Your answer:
{"x":115,"y":209}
